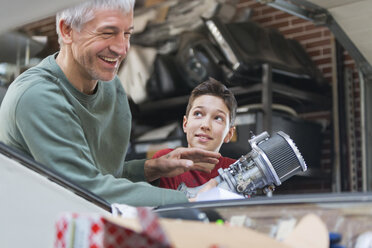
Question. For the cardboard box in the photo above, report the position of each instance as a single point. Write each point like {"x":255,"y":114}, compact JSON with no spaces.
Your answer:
{"x":94,"y":231}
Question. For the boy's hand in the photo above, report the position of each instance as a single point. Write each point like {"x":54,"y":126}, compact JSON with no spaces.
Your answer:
{"x":179,"y":161}
{"x":207,"y":186}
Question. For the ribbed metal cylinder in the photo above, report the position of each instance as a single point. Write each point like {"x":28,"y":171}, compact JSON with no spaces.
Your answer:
{"x":282,"y":156}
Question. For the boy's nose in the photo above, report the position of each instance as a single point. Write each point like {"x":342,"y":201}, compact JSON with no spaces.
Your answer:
{"x":206,"y":124}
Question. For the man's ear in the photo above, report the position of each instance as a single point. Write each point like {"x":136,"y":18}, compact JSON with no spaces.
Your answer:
{"x":229,"y":135}
{"x":66,"y":32}
{"x":184,"y":123}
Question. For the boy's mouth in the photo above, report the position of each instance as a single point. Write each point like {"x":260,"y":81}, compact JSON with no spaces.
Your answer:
{"x":203,"y":136}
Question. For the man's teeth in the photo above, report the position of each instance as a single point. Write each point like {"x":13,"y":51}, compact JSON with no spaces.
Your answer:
{"x":111,"y":60}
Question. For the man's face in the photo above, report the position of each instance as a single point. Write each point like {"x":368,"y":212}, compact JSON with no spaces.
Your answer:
{"x":102,"y":44}
{"x":207,"y":125}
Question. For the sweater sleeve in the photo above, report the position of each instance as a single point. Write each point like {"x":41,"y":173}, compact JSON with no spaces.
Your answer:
{"x":50,"y":130}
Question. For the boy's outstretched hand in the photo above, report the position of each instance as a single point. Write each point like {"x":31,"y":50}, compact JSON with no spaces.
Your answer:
{"x":207,"y":186}
{"x":179,"y":161}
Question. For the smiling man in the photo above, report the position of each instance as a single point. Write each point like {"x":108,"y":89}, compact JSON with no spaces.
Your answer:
{"x":71,"y":113}
{"x":94,"y":52}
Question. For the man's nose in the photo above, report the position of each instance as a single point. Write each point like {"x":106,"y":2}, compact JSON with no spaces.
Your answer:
{"x":120,"y":45}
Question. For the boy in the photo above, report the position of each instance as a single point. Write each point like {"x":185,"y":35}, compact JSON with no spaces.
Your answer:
{"x":208,"y":123}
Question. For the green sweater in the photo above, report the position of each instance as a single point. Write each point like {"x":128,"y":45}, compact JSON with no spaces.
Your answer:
{"x":84,"y":137}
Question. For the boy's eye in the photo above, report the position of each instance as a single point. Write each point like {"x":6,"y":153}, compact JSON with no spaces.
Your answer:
{"x":219,"y":118}
{"x":197,"y":113}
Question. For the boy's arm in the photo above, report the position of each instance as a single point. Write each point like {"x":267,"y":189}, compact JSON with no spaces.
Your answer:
{"x":163,"y":152}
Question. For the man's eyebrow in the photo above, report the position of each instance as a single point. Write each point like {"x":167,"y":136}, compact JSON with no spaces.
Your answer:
{"x":114,"y":28}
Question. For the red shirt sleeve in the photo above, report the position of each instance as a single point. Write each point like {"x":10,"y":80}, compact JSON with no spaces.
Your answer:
{"x":191,"y":178}
{"x":163,"y":152}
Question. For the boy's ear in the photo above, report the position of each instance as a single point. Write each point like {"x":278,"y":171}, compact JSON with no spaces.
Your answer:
{"x":184,"y":123}
{"x":229,"y":135}
{"x":66,"y":32}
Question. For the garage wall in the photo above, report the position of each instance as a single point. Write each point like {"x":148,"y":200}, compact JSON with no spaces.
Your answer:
{"x":317,"y":41}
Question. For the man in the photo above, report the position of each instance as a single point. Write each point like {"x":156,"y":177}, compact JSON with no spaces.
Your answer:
{"x":71,"y":113}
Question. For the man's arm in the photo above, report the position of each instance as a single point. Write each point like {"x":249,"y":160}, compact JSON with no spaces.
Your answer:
{"x":52,"y":134}
{"x":179,"y":161}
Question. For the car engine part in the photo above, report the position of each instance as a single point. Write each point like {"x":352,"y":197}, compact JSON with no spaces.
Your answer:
{"x":271,"y":161}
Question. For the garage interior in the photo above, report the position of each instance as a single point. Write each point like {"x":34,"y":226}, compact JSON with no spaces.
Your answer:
{"x":325,"y":96}
{"x":309,"y":74}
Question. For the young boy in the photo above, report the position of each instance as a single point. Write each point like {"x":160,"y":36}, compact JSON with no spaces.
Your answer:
{"x":208,"y":123}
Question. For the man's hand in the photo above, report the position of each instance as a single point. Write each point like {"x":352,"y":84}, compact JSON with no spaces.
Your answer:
{"x":179,"y":161}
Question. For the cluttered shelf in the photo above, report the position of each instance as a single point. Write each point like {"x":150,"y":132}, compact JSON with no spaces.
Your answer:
{"x":281,"y":92}
{"x":233,"y":53}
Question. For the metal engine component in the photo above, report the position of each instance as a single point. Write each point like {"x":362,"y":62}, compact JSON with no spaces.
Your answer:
{"x":271,"y":161}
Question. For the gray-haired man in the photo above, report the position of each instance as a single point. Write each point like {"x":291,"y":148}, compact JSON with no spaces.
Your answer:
{"x":71,"y":113}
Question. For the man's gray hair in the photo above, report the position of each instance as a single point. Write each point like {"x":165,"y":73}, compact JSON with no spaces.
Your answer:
{"x":82,"y":13}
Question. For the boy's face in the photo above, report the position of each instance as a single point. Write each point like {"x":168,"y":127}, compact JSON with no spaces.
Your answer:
{"x":208,"y":124}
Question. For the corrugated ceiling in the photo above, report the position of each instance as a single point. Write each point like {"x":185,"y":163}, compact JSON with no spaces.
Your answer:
{"x":355,"y":18}
{"x":327,"y":4}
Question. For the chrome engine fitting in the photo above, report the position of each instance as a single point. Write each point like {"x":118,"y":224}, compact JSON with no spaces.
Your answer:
{"x":271,"y":161}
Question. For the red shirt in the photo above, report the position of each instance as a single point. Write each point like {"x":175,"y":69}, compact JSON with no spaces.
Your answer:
{"x":191,"y":178}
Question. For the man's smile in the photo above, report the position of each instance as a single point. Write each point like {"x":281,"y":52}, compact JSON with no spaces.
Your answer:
{"x":111,"y":61}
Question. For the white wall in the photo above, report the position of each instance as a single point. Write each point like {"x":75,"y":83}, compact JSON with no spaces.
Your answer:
{"x":30,"y":204}
{"x":15,"y":13}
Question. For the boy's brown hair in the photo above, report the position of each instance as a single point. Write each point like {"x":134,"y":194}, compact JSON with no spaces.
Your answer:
{"x":214,"y":88}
